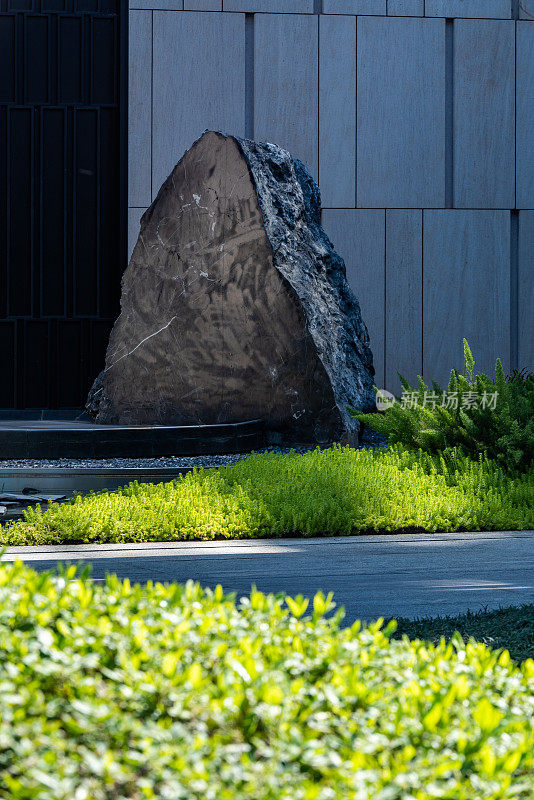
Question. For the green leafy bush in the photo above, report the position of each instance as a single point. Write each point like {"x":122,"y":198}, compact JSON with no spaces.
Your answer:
{"x":119,"y":692}
{"x":336,"y":491}
{"x":504,"y":432}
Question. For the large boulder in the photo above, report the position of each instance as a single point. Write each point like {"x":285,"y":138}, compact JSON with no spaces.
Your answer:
{"x":235,"y":305}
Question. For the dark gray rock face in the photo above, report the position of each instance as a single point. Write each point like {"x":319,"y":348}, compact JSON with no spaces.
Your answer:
{"x":235,"y":305}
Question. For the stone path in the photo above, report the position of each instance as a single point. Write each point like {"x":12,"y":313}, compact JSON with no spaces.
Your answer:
{"x":404,"y":575}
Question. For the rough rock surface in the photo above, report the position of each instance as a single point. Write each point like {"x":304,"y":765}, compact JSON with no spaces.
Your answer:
{"x":235,"y":305}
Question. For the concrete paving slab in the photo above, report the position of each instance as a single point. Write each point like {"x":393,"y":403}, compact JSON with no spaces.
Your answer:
{"x":398,"y":575}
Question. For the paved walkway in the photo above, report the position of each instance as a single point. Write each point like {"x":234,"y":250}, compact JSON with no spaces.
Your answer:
{"x":406,"y":575}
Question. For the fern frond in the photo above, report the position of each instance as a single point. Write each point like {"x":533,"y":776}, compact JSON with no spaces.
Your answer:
{"x":469,"y":362}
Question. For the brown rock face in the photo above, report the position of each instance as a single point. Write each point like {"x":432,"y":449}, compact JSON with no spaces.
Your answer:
{"x":213,"y":327}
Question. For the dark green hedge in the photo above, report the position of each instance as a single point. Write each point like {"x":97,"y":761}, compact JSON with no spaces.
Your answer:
{"x":113,"y":691}
{"x":511,"y":628}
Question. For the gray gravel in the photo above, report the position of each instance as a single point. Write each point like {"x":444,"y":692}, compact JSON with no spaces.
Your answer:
{"x":370,"y":439}
{"x":163,"y":462}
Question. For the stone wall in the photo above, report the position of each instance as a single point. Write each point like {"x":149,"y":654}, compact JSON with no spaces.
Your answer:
{"x":415,"y":116}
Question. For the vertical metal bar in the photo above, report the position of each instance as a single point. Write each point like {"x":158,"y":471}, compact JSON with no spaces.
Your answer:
{"x":34,"y":305}
{"x":73,"y":198}
{"x":39,"y":228}
{"x":151,"y":106}
{"x":58,"y":56}
{"x":51,"y":393}
{"x":449,"y":113}
{"x":8,"y":209}
{"x":19,"y":61}
{"x":317,"y":7}
{"x":249,"y":76}
{"x":385,"y":295}
{"x":18,"y":382}
{"x":514,"y":289}
{"x":515,"y":107}
{"x":90,"y":56}
{"x":4,"y":231}
{"x":123,"y":132}
{"x":98,"y":172}
{"x":65,"y":212}
{"x":83,"y":57}
{"x":356,"y":120}
{"x":24,"y":59}
{"x":53,"y":58}
{"x":422,"y":292}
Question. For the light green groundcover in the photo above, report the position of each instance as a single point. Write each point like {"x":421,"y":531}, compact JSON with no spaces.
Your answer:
{"x":335,"y":491}
{"x":114,"y":692}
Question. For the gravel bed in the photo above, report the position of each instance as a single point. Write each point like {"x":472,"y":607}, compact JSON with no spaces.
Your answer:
{"x":162,"y":462}
{"x":370,"y":439}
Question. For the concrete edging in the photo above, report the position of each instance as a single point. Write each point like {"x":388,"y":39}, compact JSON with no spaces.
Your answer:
{"x":82,"y":479}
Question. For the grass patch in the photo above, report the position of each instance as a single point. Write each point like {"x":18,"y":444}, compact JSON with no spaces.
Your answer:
{"x":509,"y":629}
{"x":337,"y":491}
{"x":122,"y":692}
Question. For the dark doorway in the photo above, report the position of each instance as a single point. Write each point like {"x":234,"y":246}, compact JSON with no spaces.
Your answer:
{"x":62,"y":178}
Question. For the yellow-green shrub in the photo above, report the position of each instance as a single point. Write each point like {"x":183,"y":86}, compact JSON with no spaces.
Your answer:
{"x":119,"y":692}
{"x":336,"y":491}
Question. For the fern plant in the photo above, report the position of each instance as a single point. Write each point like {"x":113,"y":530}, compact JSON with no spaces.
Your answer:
{"x":478,"y":414}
